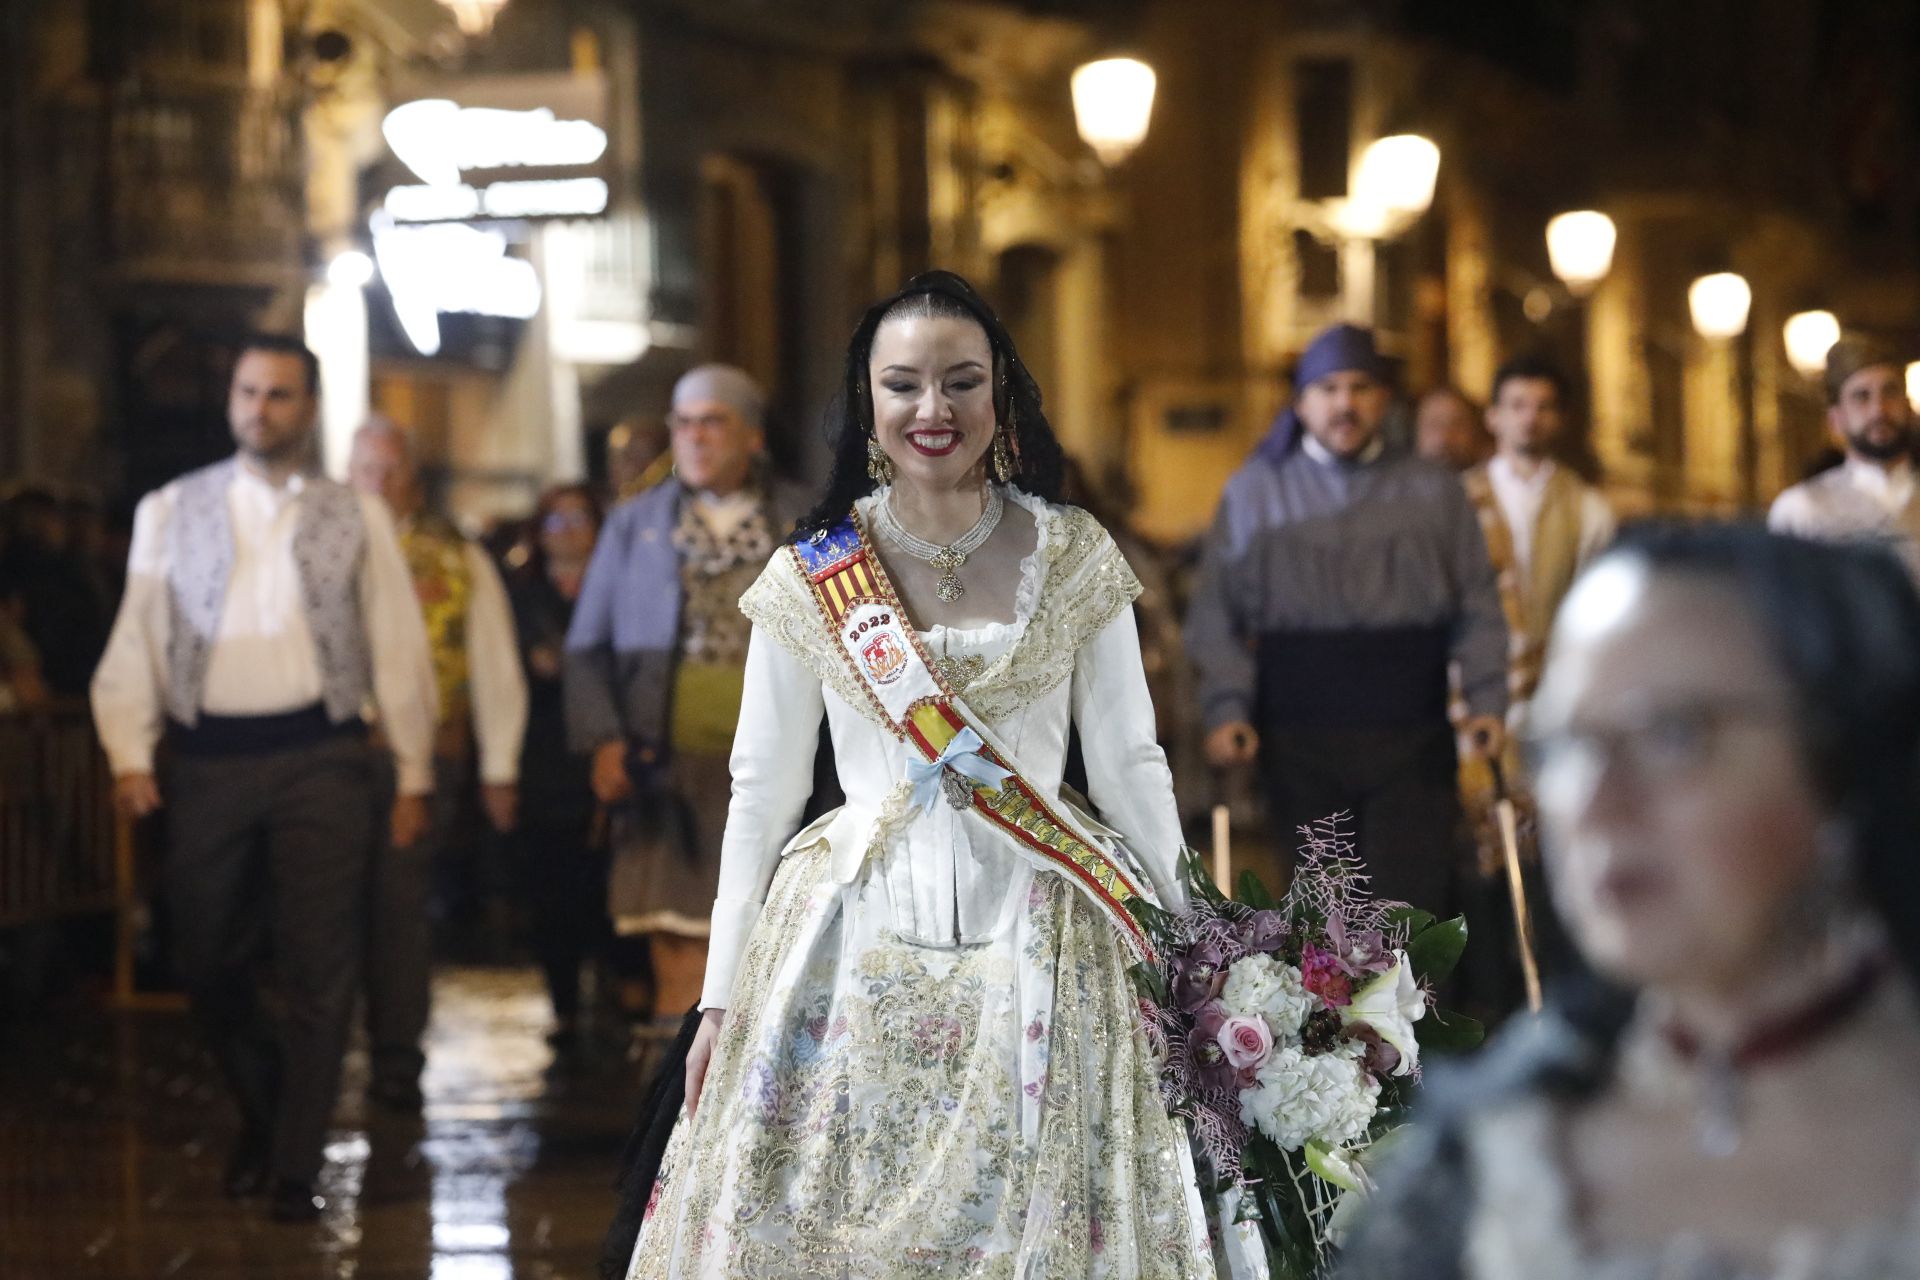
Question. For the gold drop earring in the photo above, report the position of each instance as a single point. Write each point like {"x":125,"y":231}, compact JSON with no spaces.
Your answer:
{"x":879,"y":465}
{"x":1003,"y":464}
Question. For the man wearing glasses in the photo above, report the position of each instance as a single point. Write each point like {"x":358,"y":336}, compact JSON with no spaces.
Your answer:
{"x":654,"y":663}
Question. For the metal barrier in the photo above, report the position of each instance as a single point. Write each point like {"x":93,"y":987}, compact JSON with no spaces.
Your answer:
{"x":64,"y":849}
{"x":58,"y":829}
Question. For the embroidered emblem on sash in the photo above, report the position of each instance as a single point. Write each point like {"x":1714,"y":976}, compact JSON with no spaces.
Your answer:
{"x":858,"y":606}
{"x":882,"y":651}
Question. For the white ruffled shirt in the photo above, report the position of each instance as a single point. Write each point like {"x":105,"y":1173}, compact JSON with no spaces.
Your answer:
{"x":950,"y":878}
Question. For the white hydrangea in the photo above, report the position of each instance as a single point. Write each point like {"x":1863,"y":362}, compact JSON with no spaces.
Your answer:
{"x":1299,"y":1097}
{"x":1272,"y":988}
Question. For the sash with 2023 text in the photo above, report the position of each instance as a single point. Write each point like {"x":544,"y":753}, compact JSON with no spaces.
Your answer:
{"x":870,"y":630}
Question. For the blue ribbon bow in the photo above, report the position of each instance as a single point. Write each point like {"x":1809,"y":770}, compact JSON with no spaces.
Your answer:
{"x":963,"y":757}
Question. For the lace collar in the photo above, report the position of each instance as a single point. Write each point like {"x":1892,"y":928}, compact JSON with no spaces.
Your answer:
{"x":1072,"y":585}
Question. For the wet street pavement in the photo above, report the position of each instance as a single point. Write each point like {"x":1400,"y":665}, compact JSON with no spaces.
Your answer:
{"x":114,"y":1131}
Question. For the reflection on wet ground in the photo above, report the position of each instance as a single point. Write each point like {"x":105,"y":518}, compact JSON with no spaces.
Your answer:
{"x":114,"y":1131}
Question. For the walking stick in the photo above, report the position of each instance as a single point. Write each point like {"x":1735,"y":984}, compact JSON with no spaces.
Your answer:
{"x":1508,"y":819}
{"x":1222,"y":853}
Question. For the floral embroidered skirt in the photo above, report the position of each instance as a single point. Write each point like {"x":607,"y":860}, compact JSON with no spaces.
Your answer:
{"x":878,"y":1109}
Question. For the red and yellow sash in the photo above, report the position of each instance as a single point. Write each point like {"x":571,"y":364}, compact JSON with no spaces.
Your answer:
{"x":870,"y":629}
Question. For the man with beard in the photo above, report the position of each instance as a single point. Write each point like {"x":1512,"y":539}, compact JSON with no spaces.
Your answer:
{"x":266,"y":606}
{"x":1870,"y":495}
{"x":1341,"y":580}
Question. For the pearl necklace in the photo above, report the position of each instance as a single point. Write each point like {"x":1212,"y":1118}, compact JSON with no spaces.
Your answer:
{"x":950,"y":558}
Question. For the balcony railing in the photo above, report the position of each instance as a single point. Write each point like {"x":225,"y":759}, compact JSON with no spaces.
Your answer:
{"x":206,"y":182}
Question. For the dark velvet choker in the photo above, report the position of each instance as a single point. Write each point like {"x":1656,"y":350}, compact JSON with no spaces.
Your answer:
{"x":1791,"y":1030}
{"x":1786,"y":1033}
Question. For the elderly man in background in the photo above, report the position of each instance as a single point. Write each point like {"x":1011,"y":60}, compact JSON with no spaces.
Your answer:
{"x":1340,"y":580}
{"x":1869,"y":497}
{"x":483,"y":697}
{"x":655,"y":658}
{"x":266,"y":606}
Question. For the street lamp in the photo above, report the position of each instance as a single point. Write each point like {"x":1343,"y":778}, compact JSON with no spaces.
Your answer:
{"x":1392,"y":185}
{"x":1720,"y":303}
{"x":1809,"y":335}
{"x":475,"y":16}
{"x":1580,"y":249}
{"x":351,"y":269}
{"x":1112,"y":104}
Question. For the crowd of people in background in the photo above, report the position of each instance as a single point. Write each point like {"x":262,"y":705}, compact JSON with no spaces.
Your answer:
{"x":1363,"y":630}
{"x":61,"y":564}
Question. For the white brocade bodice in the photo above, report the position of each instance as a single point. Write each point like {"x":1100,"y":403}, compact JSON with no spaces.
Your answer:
{"x":1071,"y":654}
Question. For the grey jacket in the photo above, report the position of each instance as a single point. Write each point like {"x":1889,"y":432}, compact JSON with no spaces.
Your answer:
{"x":622,"y":644}
{"x":1300,"y":546}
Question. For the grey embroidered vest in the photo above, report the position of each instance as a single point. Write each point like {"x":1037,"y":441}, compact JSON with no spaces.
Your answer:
{"x":329,"y":544}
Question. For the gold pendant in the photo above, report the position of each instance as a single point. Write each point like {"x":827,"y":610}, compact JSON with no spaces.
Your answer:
{"x":949,"y":587}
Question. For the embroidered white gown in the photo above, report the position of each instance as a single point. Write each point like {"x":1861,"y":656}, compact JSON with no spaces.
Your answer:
{"x":931,"y":1063}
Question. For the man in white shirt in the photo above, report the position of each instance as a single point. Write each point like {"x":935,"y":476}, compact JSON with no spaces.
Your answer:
{"x":1542,"y":522}
{"x":1870,"y":496}
{"x":265,"y":608}
{"x":483,"y":696}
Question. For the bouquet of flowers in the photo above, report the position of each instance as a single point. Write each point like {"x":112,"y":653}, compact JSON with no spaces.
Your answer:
{"x":1291,"y":1033}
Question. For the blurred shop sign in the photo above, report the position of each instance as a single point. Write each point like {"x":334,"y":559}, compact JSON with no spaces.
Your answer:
{"x":500,"y":148}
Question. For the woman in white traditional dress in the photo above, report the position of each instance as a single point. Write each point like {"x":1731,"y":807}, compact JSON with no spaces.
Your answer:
{"x":1727,"y":745}
{"x":920,"y":1052}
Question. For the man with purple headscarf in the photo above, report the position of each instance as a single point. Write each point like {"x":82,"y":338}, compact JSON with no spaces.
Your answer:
{"x":1342,"y":578}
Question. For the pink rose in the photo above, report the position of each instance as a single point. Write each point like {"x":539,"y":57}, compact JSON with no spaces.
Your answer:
{"x":1246,"y":1042}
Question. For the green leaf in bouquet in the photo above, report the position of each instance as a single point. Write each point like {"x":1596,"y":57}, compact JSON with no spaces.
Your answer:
{"x":1337,"y":1166}
{"x":1156,"y":920}
{"x":1150,"y":982}
{"x":1444,"y":1032}
{"x":1291,"y":1251}
{"x":1254,"y":892}
{"x":1410,"y":920}
{"x":1198,"y":876}
{"x":1435,"y":950}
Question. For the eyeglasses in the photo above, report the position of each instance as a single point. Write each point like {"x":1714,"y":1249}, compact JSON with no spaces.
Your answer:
{"x":564,"y":521}
{"x":1651,"y":743}
{"x":704,"y":421}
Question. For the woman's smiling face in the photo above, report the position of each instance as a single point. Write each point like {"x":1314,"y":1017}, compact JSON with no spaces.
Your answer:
{"x":932,"y":387}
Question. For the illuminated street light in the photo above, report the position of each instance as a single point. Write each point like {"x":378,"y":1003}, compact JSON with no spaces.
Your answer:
{"x":1809,"y":336}
{"x":475,"y":16}
{"x":1396,"y":177}
{"x":1580,"y":248}
{"x":1112,"y":104}
{"x":1720,"y":303}
{"x":352,"y":269}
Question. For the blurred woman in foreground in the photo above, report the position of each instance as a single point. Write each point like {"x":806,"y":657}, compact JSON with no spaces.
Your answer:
{"x":1726,"y":740}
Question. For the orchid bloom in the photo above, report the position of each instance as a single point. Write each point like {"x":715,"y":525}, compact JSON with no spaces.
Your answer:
{"x":1363,"y":951}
